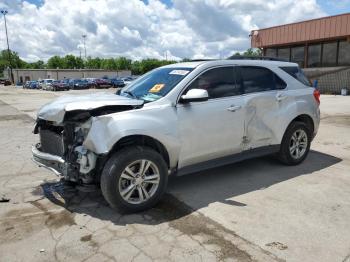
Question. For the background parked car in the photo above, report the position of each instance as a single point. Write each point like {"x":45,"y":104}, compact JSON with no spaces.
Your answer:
{"x":91,"y":82}
{"x":127,"y":80}
{"x":40,"y":83}
{"x":103,"y":83}
{"x":26,"y":85}
{"x":31,"y":85}
{"x":47,"y":84}
{"x":5,"y":82}
{"x":60,"y":85}
{"x":78,"y":84}
{"x":117,"y":82}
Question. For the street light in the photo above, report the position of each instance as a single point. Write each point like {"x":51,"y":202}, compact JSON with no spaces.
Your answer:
{"x":4,"y":12}
{"x":84,"y":37}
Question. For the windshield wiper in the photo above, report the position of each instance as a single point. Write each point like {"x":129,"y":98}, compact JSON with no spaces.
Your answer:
{"x":130,"y":94}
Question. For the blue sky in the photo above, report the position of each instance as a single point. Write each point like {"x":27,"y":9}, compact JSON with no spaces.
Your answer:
{"x":149,"y":28}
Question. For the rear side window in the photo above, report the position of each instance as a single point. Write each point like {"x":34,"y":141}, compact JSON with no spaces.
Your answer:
{"x":297,"y":73}
{"x":219,"y":82}
{"x":259,"y":79}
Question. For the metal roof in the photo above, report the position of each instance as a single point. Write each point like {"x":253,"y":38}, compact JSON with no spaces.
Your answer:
{"x":326,"y":28}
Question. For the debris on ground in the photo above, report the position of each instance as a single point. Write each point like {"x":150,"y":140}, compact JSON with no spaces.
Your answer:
{"x":4,"y":200}
{"x":277,"y":245}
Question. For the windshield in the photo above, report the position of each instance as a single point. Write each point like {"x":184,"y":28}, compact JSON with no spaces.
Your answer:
{"x":155,"y":84}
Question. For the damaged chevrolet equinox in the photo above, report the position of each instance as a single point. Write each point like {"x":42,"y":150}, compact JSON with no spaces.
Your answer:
{"x":175,"y":120}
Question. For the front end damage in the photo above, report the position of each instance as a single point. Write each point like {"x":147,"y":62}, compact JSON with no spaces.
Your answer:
{"x":61,"y":140}
{"x":61,"y":150}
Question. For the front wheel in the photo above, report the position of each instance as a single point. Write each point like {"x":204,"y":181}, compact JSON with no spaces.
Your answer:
{"x":295,"y":144}
{"x":134,"y":179}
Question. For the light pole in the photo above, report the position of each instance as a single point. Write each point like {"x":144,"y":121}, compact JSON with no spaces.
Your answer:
{"x":84,"y":37}
{"x":4,"y":12}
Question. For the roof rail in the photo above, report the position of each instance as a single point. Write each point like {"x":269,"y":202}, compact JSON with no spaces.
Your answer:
{"x":243,"y":57}
{"x":200,"y":60}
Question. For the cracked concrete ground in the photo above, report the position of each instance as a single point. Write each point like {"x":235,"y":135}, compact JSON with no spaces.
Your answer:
{"x":257,"y":210}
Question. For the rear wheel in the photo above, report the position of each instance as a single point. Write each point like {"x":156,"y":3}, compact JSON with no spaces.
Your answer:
{"x":295,"y":144}
{"x":134,"y":179}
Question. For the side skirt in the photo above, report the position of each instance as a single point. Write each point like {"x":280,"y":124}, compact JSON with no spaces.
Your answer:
{"x":247,"y":154}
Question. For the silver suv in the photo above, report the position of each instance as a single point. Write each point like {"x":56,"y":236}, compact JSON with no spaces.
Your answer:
{"x":175,"y":120}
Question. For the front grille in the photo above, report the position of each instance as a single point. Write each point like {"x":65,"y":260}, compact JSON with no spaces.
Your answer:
{"x":51,"y":142}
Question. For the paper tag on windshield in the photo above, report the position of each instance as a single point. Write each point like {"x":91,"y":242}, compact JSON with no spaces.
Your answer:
{"x":156,"y":88}
{"x":179,"y":72}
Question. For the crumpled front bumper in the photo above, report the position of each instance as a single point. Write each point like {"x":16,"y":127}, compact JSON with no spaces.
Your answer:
{"x":56,"y":164}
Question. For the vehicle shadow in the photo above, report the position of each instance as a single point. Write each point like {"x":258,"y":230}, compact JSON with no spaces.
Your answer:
{"x":189,"y":193}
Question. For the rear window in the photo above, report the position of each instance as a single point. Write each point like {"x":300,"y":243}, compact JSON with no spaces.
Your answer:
{"x":297,"y":73}
{"x":260,"y":79}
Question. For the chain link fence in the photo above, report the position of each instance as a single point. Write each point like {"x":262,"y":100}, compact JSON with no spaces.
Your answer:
{"x":330,"y":80}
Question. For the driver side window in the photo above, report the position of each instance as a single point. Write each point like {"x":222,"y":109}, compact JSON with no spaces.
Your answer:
{"x":219,"y":82}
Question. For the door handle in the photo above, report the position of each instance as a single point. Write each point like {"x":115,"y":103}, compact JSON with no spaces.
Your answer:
{"x":233,"y":108}
{"x":280,"y":97}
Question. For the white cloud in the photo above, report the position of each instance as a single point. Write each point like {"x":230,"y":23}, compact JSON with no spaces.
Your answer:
{"x":194,"y":29}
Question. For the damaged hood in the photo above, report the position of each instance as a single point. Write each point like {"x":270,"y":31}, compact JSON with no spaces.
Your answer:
{"x":56,"y":110}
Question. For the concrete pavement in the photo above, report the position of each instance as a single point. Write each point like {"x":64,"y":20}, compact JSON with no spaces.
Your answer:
{"x":254,"y":210}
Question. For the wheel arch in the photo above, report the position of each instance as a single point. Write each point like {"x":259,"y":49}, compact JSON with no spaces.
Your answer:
{"x":142,"y":140}
{"x":307,"y":120}
{"x":304,"y":118}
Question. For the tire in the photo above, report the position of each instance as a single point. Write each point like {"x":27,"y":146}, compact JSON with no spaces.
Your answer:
{"x":286,"y":154}
{"x":112,"y":182}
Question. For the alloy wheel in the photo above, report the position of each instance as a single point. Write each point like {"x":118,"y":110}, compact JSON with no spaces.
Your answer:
{"x":298,"y":144}
{"x":139,"y":181}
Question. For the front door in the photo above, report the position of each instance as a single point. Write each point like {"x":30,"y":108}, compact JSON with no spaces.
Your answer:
{"x":214,"y":128}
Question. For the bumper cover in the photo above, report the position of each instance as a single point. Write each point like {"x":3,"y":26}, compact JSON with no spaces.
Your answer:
{"x":56,"y":164}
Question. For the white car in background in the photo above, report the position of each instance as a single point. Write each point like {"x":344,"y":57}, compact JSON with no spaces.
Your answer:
{"x":127,"y":80}
{"x":47,"y":84}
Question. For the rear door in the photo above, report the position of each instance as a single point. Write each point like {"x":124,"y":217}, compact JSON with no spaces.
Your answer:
{"x":264,"y":95}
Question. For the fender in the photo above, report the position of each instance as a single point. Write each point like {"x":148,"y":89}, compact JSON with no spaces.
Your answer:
{"x":107,"y":130}
{"x":304,"y":105}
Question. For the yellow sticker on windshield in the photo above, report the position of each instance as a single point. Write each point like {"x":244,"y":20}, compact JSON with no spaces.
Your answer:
{"x":156,"y":88}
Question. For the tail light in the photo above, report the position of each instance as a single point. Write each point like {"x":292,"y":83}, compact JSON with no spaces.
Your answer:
{"x":317,"y":95}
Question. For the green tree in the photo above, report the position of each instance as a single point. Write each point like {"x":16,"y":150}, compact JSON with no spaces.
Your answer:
{"x":122,"y":63}
{"x":55,"y":62}
{"x":93,"y":63}
{"x":253,"y":52}
{"x":136,"y":68}
{"x":79,"y":62}
{"x":69,"y":62}
{"x":36,"y":65}
{"x":16,"y":61}
{"x":109,"y":64}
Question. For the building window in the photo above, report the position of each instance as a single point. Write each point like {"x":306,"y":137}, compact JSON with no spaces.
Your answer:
{"x":297,"y":55}
{"x":284,"y":53}
{"x":329,"y":54}
{"x":344,"y":53}
{"x":271,"y":52}
{"x":314,"y":56}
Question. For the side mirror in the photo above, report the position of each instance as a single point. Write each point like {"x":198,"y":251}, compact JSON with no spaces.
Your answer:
{"x":195,"y":95}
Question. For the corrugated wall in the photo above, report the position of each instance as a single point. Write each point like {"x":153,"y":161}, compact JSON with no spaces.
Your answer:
{"x":307,"y":31}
